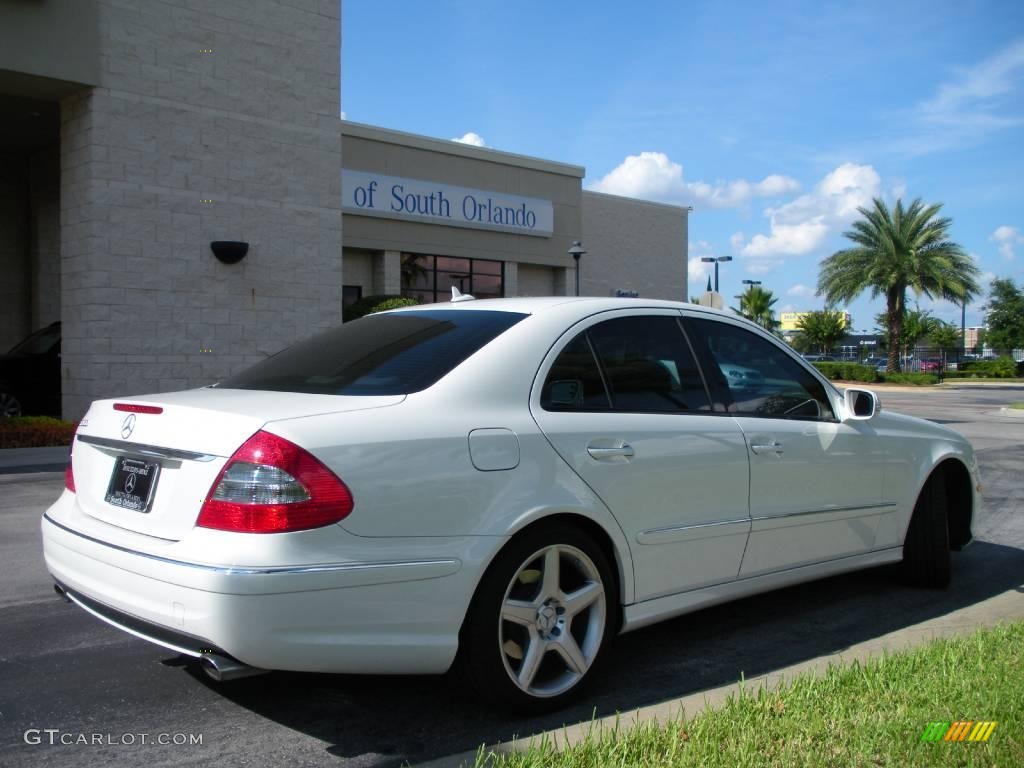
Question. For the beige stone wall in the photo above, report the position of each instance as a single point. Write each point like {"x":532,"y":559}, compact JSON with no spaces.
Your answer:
{"x":535,"y":280}
{"x":359,"y":270}
{"x":212,"y":121}
{"x":633,"y":245}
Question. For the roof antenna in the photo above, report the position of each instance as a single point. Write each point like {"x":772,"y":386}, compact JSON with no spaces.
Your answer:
{"x":458,"y":296}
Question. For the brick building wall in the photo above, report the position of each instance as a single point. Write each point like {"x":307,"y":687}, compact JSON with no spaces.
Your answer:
{"x":212,"y":121}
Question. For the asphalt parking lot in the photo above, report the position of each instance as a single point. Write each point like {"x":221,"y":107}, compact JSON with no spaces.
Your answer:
{"x":62,"y":669}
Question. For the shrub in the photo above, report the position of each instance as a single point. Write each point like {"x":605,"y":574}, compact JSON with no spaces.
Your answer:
{"x":35,"y":432}
{"x":370,"y":304}
{"x":917,"y":379}
{"x":1000,"y":368}
{"x":848,"y":372}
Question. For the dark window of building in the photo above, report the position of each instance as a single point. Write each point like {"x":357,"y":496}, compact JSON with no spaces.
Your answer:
{"x":430,"y":278}
{"x":387,"y":354}
{"x":350,"y":294}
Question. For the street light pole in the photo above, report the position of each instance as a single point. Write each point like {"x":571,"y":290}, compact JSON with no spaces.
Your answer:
{"x":576,"y":250}
{"x":716,"y":260}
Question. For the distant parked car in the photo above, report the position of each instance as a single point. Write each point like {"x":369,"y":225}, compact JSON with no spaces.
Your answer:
{"x":878,"y":363}
{"x":30,"y":375}
{"x":819,"y":358}
{"x":931,"y":365}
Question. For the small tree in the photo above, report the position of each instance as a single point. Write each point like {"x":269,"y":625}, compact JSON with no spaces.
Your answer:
{"x":1005,"y":315}
{"x":944,"y":336}
{"x":823,"y":329}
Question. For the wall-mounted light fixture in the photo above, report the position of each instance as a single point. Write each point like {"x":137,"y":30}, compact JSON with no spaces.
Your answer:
{"x":229,"y":251}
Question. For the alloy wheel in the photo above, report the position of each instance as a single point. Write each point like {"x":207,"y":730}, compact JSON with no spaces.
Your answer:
{"x":552,"y":621}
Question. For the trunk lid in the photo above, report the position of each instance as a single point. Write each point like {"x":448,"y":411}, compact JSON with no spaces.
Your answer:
{"x":179,"y":451}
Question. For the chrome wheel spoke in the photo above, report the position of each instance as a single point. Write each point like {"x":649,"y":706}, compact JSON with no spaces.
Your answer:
{"x":531,"y":662}
{"x":570,"y":651}
{"x":519,"y":612}
{"x":582,"y":598}
{"x":552,"y":575}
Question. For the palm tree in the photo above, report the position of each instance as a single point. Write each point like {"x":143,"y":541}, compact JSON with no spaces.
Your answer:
{"x":895,"y":250}
{"x":756,"y":304}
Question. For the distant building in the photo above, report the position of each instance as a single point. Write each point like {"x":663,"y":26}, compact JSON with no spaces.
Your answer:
{"x":791,"y":320}
{"x":972,"y":335}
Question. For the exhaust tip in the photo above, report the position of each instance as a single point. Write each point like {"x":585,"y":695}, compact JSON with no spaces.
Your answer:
{"x":61,"y":593}
{"x":222,"y":669}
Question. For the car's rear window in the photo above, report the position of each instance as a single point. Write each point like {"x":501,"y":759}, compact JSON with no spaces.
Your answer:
{"x":387,"y":354}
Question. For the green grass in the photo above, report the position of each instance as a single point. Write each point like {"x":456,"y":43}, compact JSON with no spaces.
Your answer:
{"x":1016,"y":406}
{"x":870,"y":714}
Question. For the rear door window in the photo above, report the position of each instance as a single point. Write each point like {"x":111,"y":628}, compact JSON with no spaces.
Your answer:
{"x":386,"y":354}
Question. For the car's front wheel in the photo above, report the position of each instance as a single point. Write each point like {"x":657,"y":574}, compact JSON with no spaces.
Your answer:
{"x":926,"y":557}
{"x":541,"y":618}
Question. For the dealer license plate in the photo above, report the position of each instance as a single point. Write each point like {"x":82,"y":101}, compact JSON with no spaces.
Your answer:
{"x":132,"y":484}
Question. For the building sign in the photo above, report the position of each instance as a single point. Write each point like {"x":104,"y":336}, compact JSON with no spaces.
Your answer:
{"x":373,"y":194}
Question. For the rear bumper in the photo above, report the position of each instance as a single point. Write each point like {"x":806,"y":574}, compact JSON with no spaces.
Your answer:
{"x":380,"y":616}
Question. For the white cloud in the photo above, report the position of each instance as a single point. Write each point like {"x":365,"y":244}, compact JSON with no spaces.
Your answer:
{"x":1007,"y":238}
{"x":474,"y":139}
{"x":343,"y":115}
{"x":803,"y":225}
{"x":653,"y":176}
{"x":967,"y":107}
{"x":800,"y":290}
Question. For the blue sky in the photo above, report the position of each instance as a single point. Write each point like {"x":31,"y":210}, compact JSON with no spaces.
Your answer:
{"x":773,"y":120}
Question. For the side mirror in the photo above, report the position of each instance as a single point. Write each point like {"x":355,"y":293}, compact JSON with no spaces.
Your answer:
{"x":861,"y":404}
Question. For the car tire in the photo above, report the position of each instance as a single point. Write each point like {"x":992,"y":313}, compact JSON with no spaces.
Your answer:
{"x":549,"y":600}
{"x":926,"y":554}
{"x":10,"y":406}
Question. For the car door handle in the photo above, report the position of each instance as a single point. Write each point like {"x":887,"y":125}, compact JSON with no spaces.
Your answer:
{"x":772,"y":447}
{"x":625,"y":451}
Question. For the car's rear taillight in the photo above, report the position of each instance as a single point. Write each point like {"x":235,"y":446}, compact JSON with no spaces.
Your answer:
{"x":271,"y":485}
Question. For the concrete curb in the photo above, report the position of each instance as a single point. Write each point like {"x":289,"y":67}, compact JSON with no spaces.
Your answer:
{"x":1015,"y":412}
{"x":1005,"y":607}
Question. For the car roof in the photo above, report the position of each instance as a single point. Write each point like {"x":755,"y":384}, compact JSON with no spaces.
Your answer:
{"x":533,"y":305}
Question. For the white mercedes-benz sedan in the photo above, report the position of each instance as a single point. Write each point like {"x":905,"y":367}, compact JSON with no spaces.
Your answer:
{"x":505,"y":483}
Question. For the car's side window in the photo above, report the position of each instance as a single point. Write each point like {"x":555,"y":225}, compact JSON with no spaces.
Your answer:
{"x":753,"y":376}
{"x":574,"y":382}
{"x":648,"y":365}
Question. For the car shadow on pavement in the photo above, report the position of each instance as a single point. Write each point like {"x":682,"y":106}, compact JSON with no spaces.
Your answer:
{"x":389,"y":721}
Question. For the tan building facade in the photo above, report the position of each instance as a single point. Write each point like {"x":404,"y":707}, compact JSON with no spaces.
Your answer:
{"x":423,"y":215}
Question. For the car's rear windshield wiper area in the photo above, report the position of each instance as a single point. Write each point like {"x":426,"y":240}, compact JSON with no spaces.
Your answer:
{"x":387,"y":354}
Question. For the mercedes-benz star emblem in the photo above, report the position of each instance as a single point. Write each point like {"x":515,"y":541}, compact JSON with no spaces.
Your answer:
{"x":129,"y":484}
{"x":127,"y":426}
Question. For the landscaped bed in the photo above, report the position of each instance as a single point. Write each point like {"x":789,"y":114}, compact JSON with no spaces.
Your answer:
{"x":35,"y":432}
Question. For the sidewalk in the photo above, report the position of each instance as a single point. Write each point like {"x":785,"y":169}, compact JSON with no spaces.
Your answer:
{"x":1002,"y":608}
{"x":18,"y":460}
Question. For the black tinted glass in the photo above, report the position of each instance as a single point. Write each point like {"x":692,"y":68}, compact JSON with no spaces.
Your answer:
{"x":574,"y":381}
{"x":755,"y":377}
{"x":387,"y":354}
{"x":648,"y":365}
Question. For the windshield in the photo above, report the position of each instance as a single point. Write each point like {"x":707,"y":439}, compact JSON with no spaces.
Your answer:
{"x":386,"y":354}
{"x":39,"y":343}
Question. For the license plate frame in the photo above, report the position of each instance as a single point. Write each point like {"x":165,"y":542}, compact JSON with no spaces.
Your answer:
{"x":134,"y":495}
